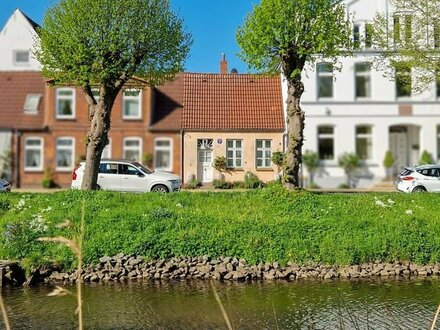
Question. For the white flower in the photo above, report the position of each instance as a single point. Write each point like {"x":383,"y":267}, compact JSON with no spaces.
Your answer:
{"x":179,"y":205}
{"x":380,"y":203}
{"x":391,"y":202}
{"x":408,"y":212}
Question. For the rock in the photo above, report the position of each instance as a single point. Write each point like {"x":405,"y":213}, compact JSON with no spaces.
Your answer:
{"x":105,"y":259}
{"x":268,"y":276}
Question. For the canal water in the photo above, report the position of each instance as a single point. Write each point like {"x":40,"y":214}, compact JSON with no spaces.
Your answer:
{"x":366,"y":304}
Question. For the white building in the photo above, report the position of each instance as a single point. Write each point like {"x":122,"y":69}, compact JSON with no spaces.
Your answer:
{"x":360,"y":111}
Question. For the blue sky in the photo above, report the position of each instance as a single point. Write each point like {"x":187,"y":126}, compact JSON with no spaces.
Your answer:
{"x":213,"y":24}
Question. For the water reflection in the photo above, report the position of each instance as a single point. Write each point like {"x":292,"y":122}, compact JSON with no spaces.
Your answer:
{"x":372,"y":304}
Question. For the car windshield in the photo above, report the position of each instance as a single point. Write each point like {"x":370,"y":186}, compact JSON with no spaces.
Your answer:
{"x":142,"y":168}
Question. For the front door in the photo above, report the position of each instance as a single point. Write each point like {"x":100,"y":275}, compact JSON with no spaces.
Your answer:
{"x":205,"y":165}
{"x":399,"y":149}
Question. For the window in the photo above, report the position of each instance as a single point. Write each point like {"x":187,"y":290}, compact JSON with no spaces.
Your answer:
{"x":132,"y":104}
{"x":95,"y":92}
{"x":21,"y":57}
{"x":64,"y":153}
{"x":33,"y":150}
{"x":396,"y":29}
{"x":356,"y":36}
{"x":264,"y":153}
{"x":436,"y":36}
{"x":403,"y":81}
{"x":234,"y":153}
{"x":106,"y":168}
{"x":364,"y":142}
{"x":162,"y":154}
{"x":363,"y":80}
{"x":107,"y":151}
{"x":132,"y":149}
{"x":326,"y":150}
{"x":31,"y":103}
{"x":368,"y":35}
{"x":65,"y":103}
{"x":325,"y":80}
{"x":408,"y":28}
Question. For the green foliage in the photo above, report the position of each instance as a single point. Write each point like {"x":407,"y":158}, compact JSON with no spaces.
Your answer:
{"x":350,"y":162}
{"x":413,"y":47}
{"x":311,"y":162}
{"x":147,"y":159}
{"x":278,"y":158}
{"x":291,"y":32}
{"x":251,"y":181}
{"x":270,"y":224}
{"x":104,"y":41}
{"x":48,"y":180}
{"x":220,"y":164}
{"x":222,"y":184}
{"x":426,"y":158}
{"x":388,"y":160}
{"x":192,"y":184}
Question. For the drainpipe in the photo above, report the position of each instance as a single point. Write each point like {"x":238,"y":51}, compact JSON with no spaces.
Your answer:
{"x":182,"y":134}
{"x":17,"y":159}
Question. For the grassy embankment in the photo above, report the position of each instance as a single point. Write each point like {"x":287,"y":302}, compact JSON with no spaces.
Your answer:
{"x":269,"y":224}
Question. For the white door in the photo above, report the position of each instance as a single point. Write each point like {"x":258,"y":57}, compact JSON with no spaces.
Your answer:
{"x":399,"y":149}
{"x":205,"y":166}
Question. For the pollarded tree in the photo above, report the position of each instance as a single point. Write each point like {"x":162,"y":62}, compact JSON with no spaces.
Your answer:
{"x":106,"y":44}
{"x":409,"y":38}
{"x":286,"y":35}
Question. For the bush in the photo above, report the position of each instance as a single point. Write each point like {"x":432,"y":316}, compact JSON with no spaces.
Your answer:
{"x":221,"y":184}
{"x":192,"y":184}
{"x":251,"y":181}
{"x":238,"y":184}
{"x":48,"y":181}
{"x":426,"y":158}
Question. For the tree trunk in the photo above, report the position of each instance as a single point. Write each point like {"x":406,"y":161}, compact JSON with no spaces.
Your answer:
{"x":97,"y":136}
{"x":295,"y":133}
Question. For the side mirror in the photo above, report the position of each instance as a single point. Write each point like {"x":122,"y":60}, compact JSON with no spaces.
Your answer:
{"x":140,"y":174}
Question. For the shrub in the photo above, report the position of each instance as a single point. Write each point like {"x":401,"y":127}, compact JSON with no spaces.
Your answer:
{"x":192,"y":184}
{"x":238,"y":184}
{"x":425,"y":158}
{"x":311,"y":163}
{"x":350,"y":162}
{"x":251,"y":181}
{"x":147,"y":159}
{"x":221,"y":184}
{"x":48,"y":181}
{"x":220,"y":164}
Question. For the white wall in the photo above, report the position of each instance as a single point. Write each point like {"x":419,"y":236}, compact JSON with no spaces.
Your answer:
{"x":17,"y":34}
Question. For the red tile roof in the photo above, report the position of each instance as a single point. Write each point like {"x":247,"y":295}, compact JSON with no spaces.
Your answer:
{"x":14,"y":87}
{"x":232,"y":102}
{"x":167,"y":105}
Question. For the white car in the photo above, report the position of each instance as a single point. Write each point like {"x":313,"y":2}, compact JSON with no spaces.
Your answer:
{"x":128,"y":176}
{"x":424,"y":178}
{"x":5,"y":186}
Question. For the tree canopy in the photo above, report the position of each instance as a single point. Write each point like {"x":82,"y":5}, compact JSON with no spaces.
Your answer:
{"x":409,"y":37}
{"x":286,"y":35}
{"x":105,"y":44}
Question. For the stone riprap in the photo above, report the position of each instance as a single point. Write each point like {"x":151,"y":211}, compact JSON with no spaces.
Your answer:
{"x":124,"y":267}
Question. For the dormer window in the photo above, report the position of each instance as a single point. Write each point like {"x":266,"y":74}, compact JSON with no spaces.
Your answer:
{"x":31,"y":103}
{"x":21,"y":57}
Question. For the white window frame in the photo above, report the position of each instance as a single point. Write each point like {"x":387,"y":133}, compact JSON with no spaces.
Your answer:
{"x":70,"y":148}
{"x":234,"y":150}
{"x":322,"y":75}
{"x":40,"y":148}
{"x":163,"y":148}
{"x":29,"y":106}
{"x":366,"y":136}
{"x":326,"y":136}
{"x":22,"y":63}
{"x":125,"y":148}
{"x":366,"y":74}
{"x":63,"y":97}
{"x":109,"y":148}
{"x":138,"y":98}
{"x":263,"y":150}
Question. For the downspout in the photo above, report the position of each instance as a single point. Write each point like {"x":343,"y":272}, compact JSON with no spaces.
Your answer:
{"x":17,"y":158}
{"x":182,"y":149}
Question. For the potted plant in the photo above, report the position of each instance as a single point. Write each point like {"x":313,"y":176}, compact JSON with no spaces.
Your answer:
{"x":425,"y":158}
{"x":278,"y":160}
{"x":388,"y":163}
{"x":350,"y":162}
{"x":147,"y":159}
{"x":311,"y":162}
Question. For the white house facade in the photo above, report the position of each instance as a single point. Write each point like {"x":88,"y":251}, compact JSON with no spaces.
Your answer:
{"x":358,"y":110}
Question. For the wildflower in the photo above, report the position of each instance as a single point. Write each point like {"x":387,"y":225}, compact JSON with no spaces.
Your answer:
{"x":408,"y":212}
{"x":391,"y":202}
{"x":179,"y":205}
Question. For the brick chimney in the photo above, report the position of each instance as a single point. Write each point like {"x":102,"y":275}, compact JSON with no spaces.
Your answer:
{"x":223,"y":65}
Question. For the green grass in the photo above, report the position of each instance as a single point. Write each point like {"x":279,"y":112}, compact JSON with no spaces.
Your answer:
{"x":267,"y":224}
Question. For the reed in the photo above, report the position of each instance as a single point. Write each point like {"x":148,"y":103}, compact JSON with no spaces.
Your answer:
{"x":222,"y":308}
{"x":4,"y":313}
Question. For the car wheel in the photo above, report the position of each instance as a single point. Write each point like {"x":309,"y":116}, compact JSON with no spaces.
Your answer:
{"x":160,"y":188}
{"x":419,"y":189}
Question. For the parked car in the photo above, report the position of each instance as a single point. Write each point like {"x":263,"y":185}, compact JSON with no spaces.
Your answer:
{"x":419,"y":179}
{"x":128,"y":176}
{"x":5,"y":186}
